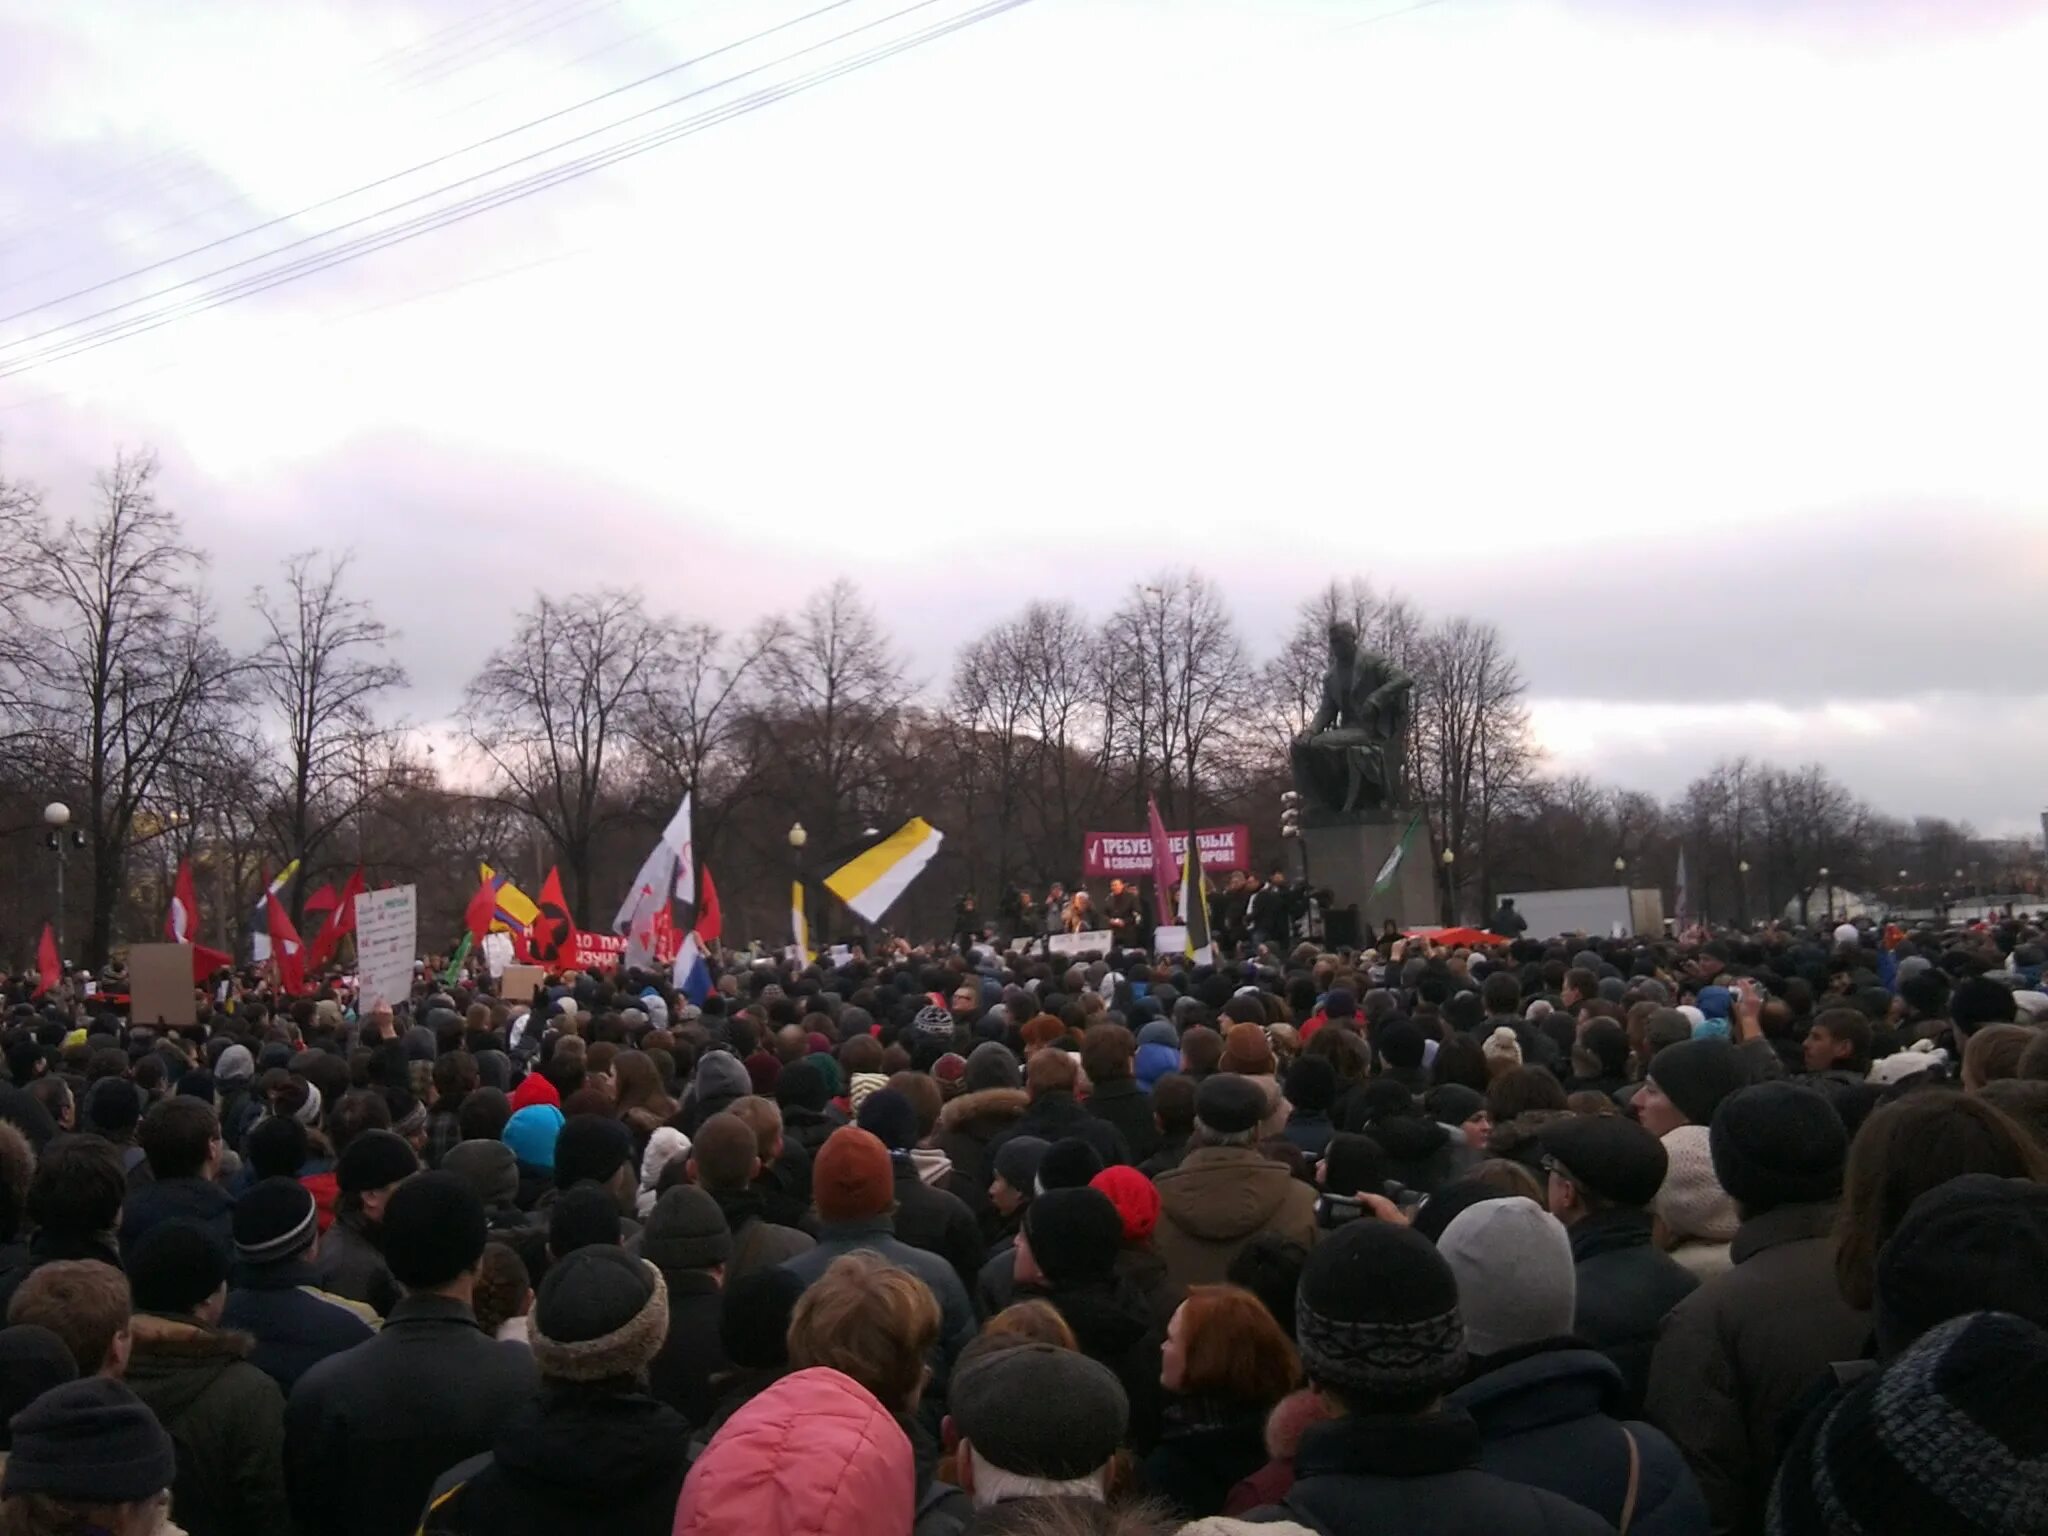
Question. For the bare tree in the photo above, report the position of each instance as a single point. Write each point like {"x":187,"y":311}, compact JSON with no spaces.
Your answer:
{"x":317,"y":674}
{"x":1178,"y":683}
{"x":132,"y":667}
{"x":1472,"y":737}
{"x":551,"y":713}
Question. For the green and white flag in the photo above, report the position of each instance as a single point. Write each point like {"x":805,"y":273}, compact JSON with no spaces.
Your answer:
{"x":1385,"y":877}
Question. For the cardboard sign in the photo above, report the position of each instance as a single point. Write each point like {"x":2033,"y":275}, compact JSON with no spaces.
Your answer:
{"x":160,"y":984}
{"x":387,"y":942}
{"x":521,"y":983}
{"x":1170,"y":940}
{"x":1098,"y":941}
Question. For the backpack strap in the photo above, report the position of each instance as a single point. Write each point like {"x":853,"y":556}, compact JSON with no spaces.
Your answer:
{"x":1635,"y":1482}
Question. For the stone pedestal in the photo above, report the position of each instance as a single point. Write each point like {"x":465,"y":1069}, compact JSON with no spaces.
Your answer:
{"x":1346,"y":856}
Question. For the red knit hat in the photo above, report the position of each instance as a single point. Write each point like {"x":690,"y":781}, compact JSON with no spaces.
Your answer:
{"x":852,"y":1178}
{"x":1135,"y":1197}
{"x":535,"y":1089}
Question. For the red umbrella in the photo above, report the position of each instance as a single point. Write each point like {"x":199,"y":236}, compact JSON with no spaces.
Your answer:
{"x":1458,"y":938}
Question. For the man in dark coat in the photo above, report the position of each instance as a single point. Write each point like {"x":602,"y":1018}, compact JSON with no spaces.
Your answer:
{"x":926,"y":1217}
{"x":1054,"y":1113}
{"x":723,"y":1162}
{"x":181,"y":1138}
{"x":1747,"y":1345}
{"x":1107,"y":1051}
{"x":688,"y":1241}
{"x":1604,"y":1171}
{"x":74,"y":1201}
{"x":225,"y":1416}
{"x":272,"y":1296}
{"x":368,"y":1432}
{"x":600,"y":1454}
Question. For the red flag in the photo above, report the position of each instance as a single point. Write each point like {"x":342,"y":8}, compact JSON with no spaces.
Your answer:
{"x":552,"y":928}
{"x":206,"y":961}
{"x":181,"y":923}
{"x":1165,"y":872}
{"x":710,"y":920}
{"x":286,"y":948}
{"x":483,"y":907}
{"x":342,"y":921}
{"x":49,"y":968}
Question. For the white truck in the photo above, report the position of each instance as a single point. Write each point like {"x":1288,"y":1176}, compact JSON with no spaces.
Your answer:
{"x":1598,"y":911}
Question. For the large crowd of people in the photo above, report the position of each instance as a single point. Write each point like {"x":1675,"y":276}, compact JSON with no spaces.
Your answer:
{"x":1729,"y":1233}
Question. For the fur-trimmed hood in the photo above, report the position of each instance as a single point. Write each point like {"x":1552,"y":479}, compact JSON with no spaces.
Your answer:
{"x":1291,"y":1418}
{"x":182,"y":1338}
{"x":997,"y":1106}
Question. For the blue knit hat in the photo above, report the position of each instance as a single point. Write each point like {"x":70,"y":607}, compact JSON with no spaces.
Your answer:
{"x":531,"y":1135}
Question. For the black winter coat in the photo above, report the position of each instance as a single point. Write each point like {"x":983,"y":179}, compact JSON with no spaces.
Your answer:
{"x":1056,"y":1115}
{"x":1550,"y":1419}
{"x":807,"y":1128}
{"x":937,"y":1222}
{"x":1419,"y":1477}
{"x":1128,"y":1107}
{"x":196,"y":1200}
{"x":579,"y":1463}
{"x":295,"y":1324}
{"x":1113,"y":1325}
{"x":691,"y":1355}
{"x":971,"y":1122}
{"x":48,"y":1248}
{"x":368,"y":1432}
{"x":1205,"y":1449}
{"x":1627,"y":1286}
{"x":226,"y":1419}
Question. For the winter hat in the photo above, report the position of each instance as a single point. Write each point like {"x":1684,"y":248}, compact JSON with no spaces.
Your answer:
{"x":753,"y":1318}
{"x":176,"y":1266}
{"x":1945,"y":1438}
{"x":408,"y":1114}
{"x":1376,"y":1314}
{"x":1691,"y":1200}
{"x":663,"y":1148}
{"x":1453,"y":1103}
{"x":112,"y":1106}
{"x":1154,"y":1062}
{"x":1068,"y":1163}
{"x":274,"y":1221}
{"x":852,"y":1178}
{"x":1074,"y":1234}
{"x":722,"y":1075}
{"x":1978,"y":1242}
{"x":764,"y":1071}
{"x":891,"y":1117}
{"x":600,"y":1314}
{"x":1513,"y":1264}
{"x":1778,"y":1144}
{"x":236,"y":1065}
{"x":534,"y":1089}
{"x":950,"y":1073}
{"x":1040,"y":1411}
{"x":32,"y":1361}
{"x":531,"y":1133}
{"x":990,"y":1065}
{"x":1502,"y":1046}
{"x":1340,"y":1004}
{"x":490,"y":1167}
{"x":1017,"y":1162}
{"x":687,"y":1230}
{"x":1400,"y":1044}
{"x":863,"y":1084}
{"x":934,"y":1025}
{"x":1696,"y":1075}
{"x":1135,"y":1197}
{"x":583,"y":1217}
{"x":197,"y":1084}
{"x":418,"y":1044}
{"x":1230,"y":1105}
{"x":1246,"y":1050}
{"x":1312,"y":1084}
{"x":1159,"y":1032}
{"x":591,"y":1147}
{"x":434,"y":1230}
{"x":802,"y":1086}
{"x":89,"y":1442}
{"x":376,"y":1159}
{"x":1608,"y":1156}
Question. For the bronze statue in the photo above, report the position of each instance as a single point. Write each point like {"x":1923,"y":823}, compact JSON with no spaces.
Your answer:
{"x":1349,"y":758}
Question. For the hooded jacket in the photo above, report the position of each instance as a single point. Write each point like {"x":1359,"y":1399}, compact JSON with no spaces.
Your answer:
{"x":1550,"y":1419}
{"x":1056,"y":1114}
{"x":225,"y":1417}
{"x":969,"y":1123}
{"x":295,"y":1324}
{"x":1218,"y":1200}
{"x":579,"y":1463}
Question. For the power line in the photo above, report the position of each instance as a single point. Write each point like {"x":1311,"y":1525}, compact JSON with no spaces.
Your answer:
{"x":515,"y":191}
{"x":382,"y":181}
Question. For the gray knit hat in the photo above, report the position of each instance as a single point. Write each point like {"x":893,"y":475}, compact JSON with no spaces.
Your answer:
{"x":599,"y":1314}
{"x":686,"y":1230}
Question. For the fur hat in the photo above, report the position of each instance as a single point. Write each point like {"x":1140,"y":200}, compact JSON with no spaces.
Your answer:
{"x":599,"y":1314}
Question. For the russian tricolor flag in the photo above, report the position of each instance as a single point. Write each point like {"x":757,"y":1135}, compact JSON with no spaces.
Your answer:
{"x":692,"y":977}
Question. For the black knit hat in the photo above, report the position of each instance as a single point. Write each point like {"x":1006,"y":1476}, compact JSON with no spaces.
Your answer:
{"x":1377,"y":1315}
{"x":112,"y":1106}
{"x":176,"y":1266}
{"x":1778,"y":1144}
{"x":1696,"y":1075}
{"x":591,"y":1147}
{"x":1230,"y":1103}
{"x":434,"y":1230}
{"x":1945,"y":1438}
{"x":1040,"y":1411}
{"x":1068,"y":1163}
{"x":891,"y":1117}
{"x":376,"y":1159}
{"x":599,"y":1314}
{"x":91,"y":1442}
{"x":584,"y":1217}
{"x":753,"y":1318}
{"x":1017,"y":1160}
{"x":1608,"y":1156}
{"x":686,"y":1230}
{"x":277,"y":1219}
{"x":1075,"y":1235}
{"x":1976,"y":1243}
{"x":32,"y":1360}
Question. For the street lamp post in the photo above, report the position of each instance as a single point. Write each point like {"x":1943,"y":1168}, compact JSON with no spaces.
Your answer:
{"x":56,"y":815}
{"x":1742,"y":870}
{"x":797,"y":838}
{"x":1827,"y":895}
{"x":1450,"y":888}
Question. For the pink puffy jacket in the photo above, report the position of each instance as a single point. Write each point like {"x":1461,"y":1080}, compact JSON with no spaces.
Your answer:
{"x":814,"y":1455}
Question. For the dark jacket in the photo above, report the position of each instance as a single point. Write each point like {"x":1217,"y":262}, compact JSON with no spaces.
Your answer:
{"x":1113,"y":1325}
{"x":1219,"y":1199}
{"x":956,"y":1312}
{"x":807,"y":1128}
{"x":1551,"y":1419}
{"x":195,"y":1200}
{"x":1310,"y":1132}
{"x":1419,"y":1477}
{"x":1627,"y":1286}
{"x":1205,"y":1449}
{"x":49,"y":1248}
{"x":226,"y":1419}
{"x":578,"y":1463}
{"x":1125,"y":1105}
{"x":294,"y":1323}
{"x":1738,"y":1352}
{"x":937,"y":1222}
{"x":1167,"y":1157}
{"x":15,"y":1264}
{"x":1055,"y":1115}
{"x":369,"y":1431}
{"x":971,"y":1122}
{"x":757,"y":1242}
{"x":351,"y":1264}
{"x":691,"y":1355}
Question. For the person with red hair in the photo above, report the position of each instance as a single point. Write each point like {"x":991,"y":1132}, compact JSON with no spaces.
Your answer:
{"x":1225,"y":1364}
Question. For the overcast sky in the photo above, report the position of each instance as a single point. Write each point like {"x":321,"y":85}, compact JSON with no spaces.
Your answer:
{"x":1699,"y":347}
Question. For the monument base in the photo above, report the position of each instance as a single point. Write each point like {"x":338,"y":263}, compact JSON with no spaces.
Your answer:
{"x":1346,"y":858}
